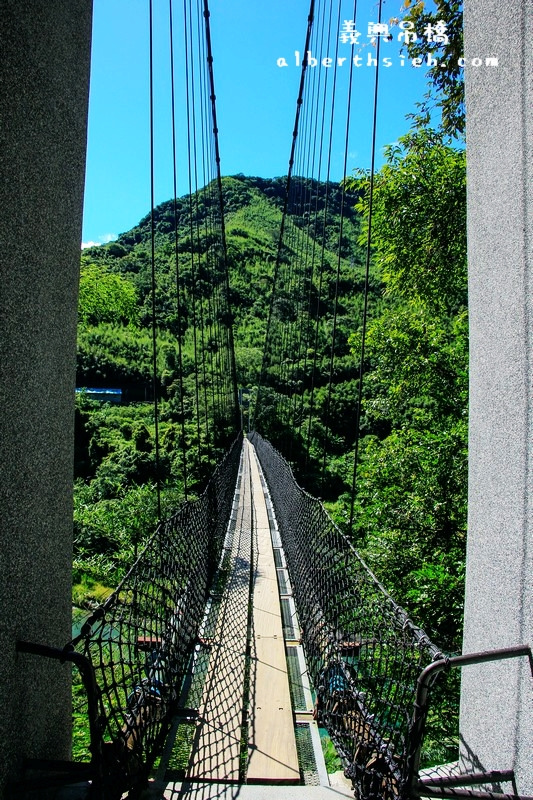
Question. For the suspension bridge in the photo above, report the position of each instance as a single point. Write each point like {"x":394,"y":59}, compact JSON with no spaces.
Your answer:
{"x":248,"y":620}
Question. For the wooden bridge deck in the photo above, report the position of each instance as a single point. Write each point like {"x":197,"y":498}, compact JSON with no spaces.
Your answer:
{"x":271,"y":742}
{"x":217,"y":752}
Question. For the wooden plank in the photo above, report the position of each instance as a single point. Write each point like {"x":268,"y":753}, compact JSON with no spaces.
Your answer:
{"x":216,"y":748}
{"x":272,"y":746}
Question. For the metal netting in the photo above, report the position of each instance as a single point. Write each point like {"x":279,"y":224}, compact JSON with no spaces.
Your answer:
{"x":364,"y":654}
{"x":140,"y":640}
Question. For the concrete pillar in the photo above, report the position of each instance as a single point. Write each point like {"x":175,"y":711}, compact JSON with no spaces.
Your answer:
{"x":496,"y":700}
{"x":44,"y":81}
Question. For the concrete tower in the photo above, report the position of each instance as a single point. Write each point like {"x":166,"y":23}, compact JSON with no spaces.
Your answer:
{"x":496,"y":702}
{"x":44,"y":80}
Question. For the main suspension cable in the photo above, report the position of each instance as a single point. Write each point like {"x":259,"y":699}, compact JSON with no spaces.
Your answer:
{"x":227,"y":308}
{"x":152,"y":243}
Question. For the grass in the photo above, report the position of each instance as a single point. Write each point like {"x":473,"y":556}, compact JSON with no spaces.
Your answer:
{"x":89,"y":592}
{"x":181,"y":751}
{"x":80,"y":724}
{"x":332,"y":760}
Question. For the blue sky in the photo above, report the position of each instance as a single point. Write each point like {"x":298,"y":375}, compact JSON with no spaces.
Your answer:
{"x":255,"y":99}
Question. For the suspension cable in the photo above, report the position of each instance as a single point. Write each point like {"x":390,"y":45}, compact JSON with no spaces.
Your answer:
{"x":267,"y":347}
{"x":183,"y":447}
{"x":337,"y":279}
{"x":367,"y":276}
{"x":192,"y":293}
{"x":197,"y":289}
{"x":152,"y":243}
{"x":229,"y":321}
{"x":323,"y":246}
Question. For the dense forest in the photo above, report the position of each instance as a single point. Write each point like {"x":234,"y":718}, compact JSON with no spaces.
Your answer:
{"x":115,"y":443}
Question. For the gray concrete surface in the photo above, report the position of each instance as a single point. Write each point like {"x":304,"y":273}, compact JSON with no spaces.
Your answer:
{"x":496,"y":703}
{"x":227,"y":791}
{"x":44,"y":79}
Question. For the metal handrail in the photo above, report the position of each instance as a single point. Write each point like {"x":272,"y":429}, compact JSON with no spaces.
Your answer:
{"x":68,"y":654}
{"x":443,"y":786}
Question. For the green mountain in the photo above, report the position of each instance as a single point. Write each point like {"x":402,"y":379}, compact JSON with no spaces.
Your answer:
{"x":115,"y":443}
{"x":115,"y":346}
{"x":252,"y":218}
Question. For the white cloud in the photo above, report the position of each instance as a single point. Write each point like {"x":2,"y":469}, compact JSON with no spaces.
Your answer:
{"x":105,"y":239}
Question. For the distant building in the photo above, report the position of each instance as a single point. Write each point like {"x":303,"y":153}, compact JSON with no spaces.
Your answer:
{"x":104,"y":395}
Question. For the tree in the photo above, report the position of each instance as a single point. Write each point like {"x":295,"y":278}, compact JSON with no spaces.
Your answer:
{"x":410,"y":520}
{"x":446,"y":77}
{"x":105,"y":296}
{"x":419,"y":220}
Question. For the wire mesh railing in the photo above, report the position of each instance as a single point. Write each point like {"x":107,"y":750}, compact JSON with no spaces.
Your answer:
{"x":371,"y":667}
{"x":140,"y":641}
{"x":364,"y":654}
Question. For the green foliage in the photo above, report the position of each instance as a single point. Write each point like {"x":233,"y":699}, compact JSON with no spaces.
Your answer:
{"x":410,"y":524}
{"x":446,"y":77}
{"x":115,"y":502}
{"x":104,"y":296}
{"x":419,"y":220}
{"x":410,"y":507}
{"x":81,"y":737}
{"x":89,"y":592}
{"x":411,"y":491}
{"x":112,"y":528}
{"x":420,"y":371}
{"x":179,"y":757}
{"x":114,"y":355}
{"x":331,"y":758}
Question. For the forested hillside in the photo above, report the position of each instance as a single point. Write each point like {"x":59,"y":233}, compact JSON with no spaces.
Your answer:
{"x":115,"y":443}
